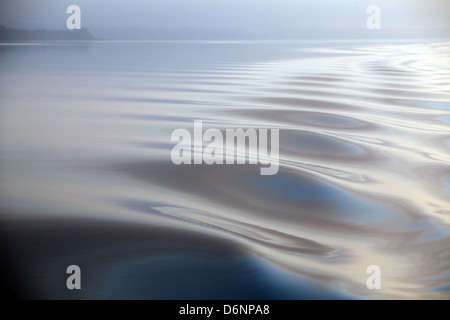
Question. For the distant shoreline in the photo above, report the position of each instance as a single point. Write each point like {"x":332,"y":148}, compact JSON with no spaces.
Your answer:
{"x":23,"y":35}
{"x":11,"y":36}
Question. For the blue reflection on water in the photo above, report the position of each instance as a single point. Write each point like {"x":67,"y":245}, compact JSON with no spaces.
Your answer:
{"x":188,"y":277}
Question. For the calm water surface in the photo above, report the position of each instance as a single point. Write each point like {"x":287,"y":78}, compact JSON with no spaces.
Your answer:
{"x":86,"y":176}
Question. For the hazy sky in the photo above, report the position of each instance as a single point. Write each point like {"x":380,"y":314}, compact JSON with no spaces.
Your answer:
{"x":253,"y":18}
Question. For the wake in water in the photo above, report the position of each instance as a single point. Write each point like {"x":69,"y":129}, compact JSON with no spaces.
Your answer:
{"x":363,"y":173}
